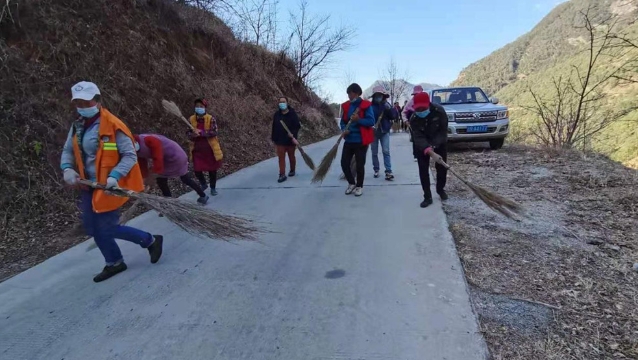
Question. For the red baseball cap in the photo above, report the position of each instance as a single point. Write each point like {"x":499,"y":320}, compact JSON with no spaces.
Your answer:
{"x":421,"y":100}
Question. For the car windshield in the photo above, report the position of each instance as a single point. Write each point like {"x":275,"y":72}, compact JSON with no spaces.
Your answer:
{"x":459,"y":96}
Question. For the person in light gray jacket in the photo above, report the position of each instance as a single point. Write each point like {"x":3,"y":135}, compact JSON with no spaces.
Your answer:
{"x":100,"y":148}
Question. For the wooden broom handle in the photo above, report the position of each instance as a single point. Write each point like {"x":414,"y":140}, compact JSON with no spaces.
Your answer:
{"x":188,"y":123}
{"x":438,"y":159}
{"x":118,"y":191}
{"x":286,"y":128}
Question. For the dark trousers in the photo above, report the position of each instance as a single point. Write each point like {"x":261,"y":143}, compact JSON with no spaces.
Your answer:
{"x":212,"y":175}
{"x":358,"y":151}
{"x":162,"y":183}
{"x":424,"y":174}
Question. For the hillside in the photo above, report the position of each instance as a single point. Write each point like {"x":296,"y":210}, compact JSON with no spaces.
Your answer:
{"x":535,"y":69}
{"x":138,"y":52}
{"x":554,"y":38}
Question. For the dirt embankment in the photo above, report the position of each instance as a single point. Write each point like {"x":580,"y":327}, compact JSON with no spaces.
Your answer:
{"x":138,"y":52}
{"x":560,"y":284}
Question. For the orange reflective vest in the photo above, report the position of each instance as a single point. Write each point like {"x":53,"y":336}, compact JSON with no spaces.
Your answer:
{"x":212,"y":141}
{"x":106,"y":159}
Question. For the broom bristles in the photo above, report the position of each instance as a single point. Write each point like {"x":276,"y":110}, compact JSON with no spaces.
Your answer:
{"x":494,"y":201}
{"x":307,"y":159}
{"x":172,"y":108}
{"x":326,"y":162}
{"x":497,"y":202}
{"x":200,"y":221}
{"x":193,"y":218}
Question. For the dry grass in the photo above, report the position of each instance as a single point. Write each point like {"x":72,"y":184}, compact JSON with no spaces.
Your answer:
{"x":138,"y":52}
{"x":570,"y":261}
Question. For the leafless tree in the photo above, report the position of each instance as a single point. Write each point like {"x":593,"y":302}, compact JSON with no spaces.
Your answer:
{"x":313,"y":42}
{"x":200,"y":4}
{"x":572,"y":113}
{"x":348,"y":77}
{"x":253,"y":21}
{"x":395,"y":81}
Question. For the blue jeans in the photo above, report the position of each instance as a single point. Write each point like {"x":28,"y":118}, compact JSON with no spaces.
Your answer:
{"x":105,"y":228}
{"x":384,"y":139}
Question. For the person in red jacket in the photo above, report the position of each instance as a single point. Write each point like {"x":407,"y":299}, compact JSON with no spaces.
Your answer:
{"x":168,"y":159}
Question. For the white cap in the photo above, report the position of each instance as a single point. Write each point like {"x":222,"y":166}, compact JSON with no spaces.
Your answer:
{"x":84,"y":90}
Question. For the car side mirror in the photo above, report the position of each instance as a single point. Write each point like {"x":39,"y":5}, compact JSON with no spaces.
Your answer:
{"x":494,"y":100}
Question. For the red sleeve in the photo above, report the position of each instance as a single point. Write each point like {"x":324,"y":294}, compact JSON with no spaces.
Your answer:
{"x":157,"y":153}
{"x":143,"y":166}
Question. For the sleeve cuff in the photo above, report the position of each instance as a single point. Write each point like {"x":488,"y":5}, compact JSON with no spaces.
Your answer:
{"x":116,"y":175}
{"x":66,"y":166}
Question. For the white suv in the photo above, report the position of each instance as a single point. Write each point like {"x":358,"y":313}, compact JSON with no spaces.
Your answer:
{"x":472,"y":116}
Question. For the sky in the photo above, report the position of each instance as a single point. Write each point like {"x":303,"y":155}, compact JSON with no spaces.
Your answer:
{"x":431,"y":40}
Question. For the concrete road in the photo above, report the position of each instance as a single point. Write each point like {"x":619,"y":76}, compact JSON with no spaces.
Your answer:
{"x":374,"y":277}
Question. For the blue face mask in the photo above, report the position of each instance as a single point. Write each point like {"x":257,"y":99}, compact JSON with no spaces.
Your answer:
{"x":283,"y":106}
{"x":422,"y":114}
{"x":378,"y":99}
{"x":88,"y":112}
{"x":200,"y":111}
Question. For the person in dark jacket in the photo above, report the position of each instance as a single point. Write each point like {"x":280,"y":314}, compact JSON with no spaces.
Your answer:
{"x":384,"y":117}
{"x":357,"y":137}
{"x":285,"y":143}
{"x":429,"y":132}
{"x":399,"y":117}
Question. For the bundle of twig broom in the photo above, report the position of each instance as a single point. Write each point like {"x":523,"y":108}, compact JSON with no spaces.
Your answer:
{"x":195,"y":219}
{"x":306,"y":158}
{"x":172,"y":108}
{"x":496,"y":202}
{"x":326,"y":162}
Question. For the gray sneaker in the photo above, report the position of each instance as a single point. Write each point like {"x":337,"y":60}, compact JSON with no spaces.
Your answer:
{"x":203,"y":200}
{"x":350,"y":189}
{"x":358,"y":191}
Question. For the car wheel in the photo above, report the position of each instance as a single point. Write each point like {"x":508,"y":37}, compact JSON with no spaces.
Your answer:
{"x":496,"y":144}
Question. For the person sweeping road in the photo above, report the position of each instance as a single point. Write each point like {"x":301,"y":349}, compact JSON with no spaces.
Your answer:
{"x":100,"y":148}
{"x":429,"y":133}
{"x":285,"y":143}
{"x":168,"y":159}
{"x":408,"y":111}
{"x":384,"y":119}
{"x":205,"y":149}
{"x":357,"y":125}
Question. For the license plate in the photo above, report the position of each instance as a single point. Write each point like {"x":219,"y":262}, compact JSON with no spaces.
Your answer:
{"x":477,"y":129}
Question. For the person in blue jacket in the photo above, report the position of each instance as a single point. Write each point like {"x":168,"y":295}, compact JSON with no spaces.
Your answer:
{"x":384,"y":117}
{"x":357,"y":136}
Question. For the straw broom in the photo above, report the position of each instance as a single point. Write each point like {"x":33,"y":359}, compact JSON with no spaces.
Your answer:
{"x":192,"y":218}
{"x":306,"y":157}
{"x":327,"y":160}
{"x":496,"y":202}
{"x":172,"y":108}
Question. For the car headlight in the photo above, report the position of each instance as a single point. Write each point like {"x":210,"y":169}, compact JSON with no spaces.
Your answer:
{"x":450,"y":117}
{"x":503,"y":114}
